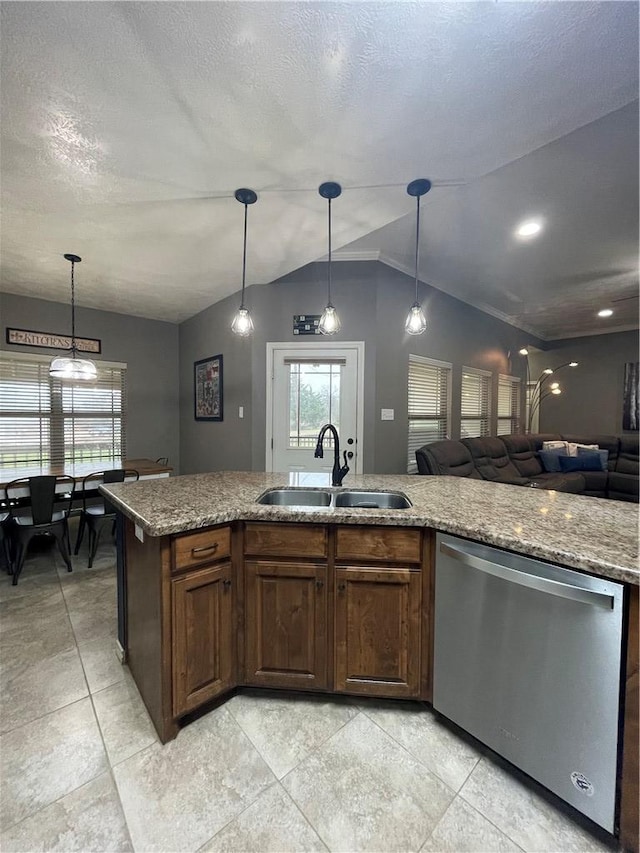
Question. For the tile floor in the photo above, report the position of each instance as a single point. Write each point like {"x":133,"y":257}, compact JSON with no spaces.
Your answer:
{"x":82,"y":769}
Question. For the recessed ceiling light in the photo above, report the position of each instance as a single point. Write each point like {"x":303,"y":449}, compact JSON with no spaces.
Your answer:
{"x":529,"y":228}
{"x":606,"y":312}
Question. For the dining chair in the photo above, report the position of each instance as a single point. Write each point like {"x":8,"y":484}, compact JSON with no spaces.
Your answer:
{"x":37,"y":515}
{"x":95,"y":515}
{"x":162,"y":460}
{"x":5,"y":517}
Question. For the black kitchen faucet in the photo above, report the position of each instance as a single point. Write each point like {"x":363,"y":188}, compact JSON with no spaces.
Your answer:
{"x":339,"y":472}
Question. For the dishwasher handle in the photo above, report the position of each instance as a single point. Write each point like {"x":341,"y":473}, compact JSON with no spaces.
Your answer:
{"x":551,"y":587}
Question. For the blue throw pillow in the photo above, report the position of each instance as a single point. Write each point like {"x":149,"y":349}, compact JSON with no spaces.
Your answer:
{"x":551,"y":459}
{"x":588,"y":461}
{"x":603,"y":455}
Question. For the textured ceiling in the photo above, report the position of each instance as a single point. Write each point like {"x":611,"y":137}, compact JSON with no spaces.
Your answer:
{"x":127,"y":126}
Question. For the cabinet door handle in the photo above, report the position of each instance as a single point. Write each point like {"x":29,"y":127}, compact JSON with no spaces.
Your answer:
{"x":319,"y":584}
{"x":226,"y":583}
{"x":342,"y":587}
{"x":205,"y":548}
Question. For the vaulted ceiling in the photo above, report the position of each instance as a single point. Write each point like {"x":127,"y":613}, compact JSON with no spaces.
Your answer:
{"x":126,"y":127}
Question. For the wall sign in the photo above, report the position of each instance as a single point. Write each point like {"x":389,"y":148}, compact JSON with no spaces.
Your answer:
{"x":29,"y":338}
{"x":306,"y":324}
{"x":207,"y":388}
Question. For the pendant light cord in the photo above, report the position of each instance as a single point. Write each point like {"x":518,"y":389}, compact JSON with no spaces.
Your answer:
{"x":329,"y":265}
{"x":417,"y":241}
{"x":73,"y":312}
{"x":244,"y":256}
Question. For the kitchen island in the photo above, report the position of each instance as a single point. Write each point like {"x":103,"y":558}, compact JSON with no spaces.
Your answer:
{"x":222,"y":591}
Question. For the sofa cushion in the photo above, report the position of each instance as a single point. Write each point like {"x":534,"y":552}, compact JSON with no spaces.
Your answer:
{"x":446,"y":457}
{"x":602,"y":457}
{"x":523,"y":455}
{"x":595,"y":483}
{"x":623,"y":487}
{"x":491,"y":460}
{"x":573,"y":483}
{"x":628,"y":461}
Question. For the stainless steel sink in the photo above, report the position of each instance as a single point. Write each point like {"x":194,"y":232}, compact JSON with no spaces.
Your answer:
{"x":364,"y":499}
{"x":295,"y":497}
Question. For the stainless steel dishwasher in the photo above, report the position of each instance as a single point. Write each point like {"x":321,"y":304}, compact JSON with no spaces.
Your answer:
{"x":527,"y":659}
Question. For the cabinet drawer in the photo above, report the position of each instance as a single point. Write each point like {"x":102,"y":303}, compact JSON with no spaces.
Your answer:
{"x":193,"y":549}
{"x":286,"y":540}
{"x":378,"y":543}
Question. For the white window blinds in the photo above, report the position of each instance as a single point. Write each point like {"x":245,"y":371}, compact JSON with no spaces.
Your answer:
{"x":475,"y":406}
{"x":429,"y":404}
{"x":52,"y":421}
{"x":509,"y":398}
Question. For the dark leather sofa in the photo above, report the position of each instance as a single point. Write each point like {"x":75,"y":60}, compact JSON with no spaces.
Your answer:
{"x":514,"y":459}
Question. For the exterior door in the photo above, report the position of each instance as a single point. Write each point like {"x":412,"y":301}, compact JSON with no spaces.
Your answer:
{"x":312,"y":385}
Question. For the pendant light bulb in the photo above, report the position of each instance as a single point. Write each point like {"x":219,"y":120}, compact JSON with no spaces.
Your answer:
{"x":329,"y":322}
{"x":416,"y":322}
{"x":71,"y":367}
{"x":242,"y":324}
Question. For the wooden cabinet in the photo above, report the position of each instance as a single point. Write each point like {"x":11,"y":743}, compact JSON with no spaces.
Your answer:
{"x":377,"y":631}
{"x":202,"y":636}
{"x":286,"y":624}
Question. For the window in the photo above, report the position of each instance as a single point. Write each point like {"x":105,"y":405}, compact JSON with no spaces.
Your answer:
{"x":51,"y":421}
{"x":475,"y":407}
{"x":508,"y":404}
{"x":429,"y":404}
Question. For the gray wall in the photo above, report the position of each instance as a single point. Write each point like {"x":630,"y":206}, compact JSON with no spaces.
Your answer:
{"x":150,"y":349}
{"x":372,"y":300}
{"x":591,"y":399}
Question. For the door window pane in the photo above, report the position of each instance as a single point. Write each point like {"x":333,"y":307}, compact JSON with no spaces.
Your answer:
{"x":314,"y":400}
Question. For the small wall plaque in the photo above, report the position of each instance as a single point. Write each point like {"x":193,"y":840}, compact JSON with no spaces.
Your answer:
{"x":29,"y":338}
{"x":306,"y":324}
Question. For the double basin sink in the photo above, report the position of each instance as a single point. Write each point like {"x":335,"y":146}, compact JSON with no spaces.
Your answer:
{"x":319,"y":498}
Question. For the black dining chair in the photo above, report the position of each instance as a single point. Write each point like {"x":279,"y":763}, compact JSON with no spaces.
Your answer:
{"x":162,"y":460}
{"x":98,"y":511}
{"x":44,"y":509}
{"x":5,"y":518}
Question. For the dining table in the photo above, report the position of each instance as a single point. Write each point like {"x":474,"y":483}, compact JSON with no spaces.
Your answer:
{"x":147,"y":469}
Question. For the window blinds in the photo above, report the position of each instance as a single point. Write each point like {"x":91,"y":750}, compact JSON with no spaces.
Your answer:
{"x":52,"y":421}
{"x":475,"y":406}
{"x":509,"y":397}
{"x":429,"y":404}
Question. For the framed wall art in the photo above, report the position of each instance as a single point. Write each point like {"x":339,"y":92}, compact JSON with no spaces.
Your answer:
{"x":207,"y":387}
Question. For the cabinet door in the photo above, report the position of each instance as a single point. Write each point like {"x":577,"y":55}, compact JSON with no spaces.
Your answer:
{"x":285,"y":624}
{"x":202,"y":636}
{"x":377,"y":630}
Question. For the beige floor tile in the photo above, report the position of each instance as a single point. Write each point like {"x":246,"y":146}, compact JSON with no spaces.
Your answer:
{"x":92,"y":606}
{"x":273,"y":824}
{"x":284,"y":729}
{"x":88,"y":819}
{"x":418,"y":729}
{"x":464,"y":830}
{"x":31,"y":690}
{"x":177,"y":796}
{"x":123,"y":720}
{"x":46,"y":759}
{"x":523,"y":815}
{"x":22,"y":643}
{"x":362,"y":791}
{"x":101,"y":663}
{"x":37,"y":576}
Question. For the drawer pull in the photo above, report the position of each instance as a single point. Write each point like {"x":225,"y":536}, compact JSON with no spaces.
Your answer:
{"x":205,"y":548}
{"x":342,"y":587}
{"x":226,"y":583}
{"x":319,"y":584}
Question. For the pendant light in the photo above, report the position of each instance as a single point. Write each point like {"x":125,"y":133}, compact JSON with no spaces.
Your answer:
{"x":416,"y":322}
{"x":329,"y":322}
{"x":242,"y":323}
{"x":63,"y":367}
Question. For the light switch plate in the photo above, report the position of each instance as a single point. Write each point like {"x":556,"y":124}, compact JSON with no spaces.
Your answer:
{"x":139,"y":533}
{"x":240,"y":411}
{"x":387,"y":414}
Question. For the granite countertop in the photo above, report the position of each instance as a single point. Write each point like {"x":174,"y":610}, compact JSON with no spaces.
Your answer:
{"x":593,"y":534}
